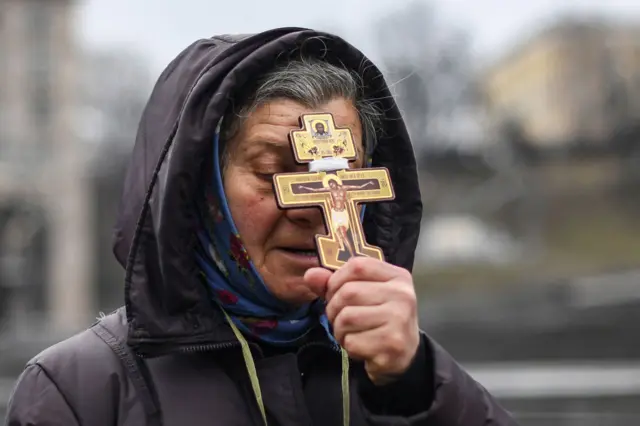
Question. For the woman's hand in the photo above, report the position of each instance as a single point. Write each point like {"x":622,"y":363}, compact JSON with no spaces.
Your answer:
{"x":373,"y":309}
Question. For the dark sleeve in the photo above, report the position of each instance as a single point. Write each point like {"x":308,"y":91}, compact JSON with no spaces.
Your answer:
{"x":438,"y":392}
{"x":37,"y":401}
{"x":410,"y":394}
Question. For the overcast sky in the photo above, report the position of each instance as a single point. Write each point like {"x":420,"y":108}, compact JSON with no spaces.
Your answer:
{"x":161,"y":28}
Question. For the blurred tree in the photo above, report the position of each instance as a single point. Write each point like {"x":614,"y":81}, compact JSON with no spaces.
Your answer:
{"x":429,"y":67}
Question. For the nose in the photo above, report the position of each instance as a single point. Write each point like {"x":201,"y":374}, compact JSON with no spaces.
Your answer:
{"x":307,"y":217}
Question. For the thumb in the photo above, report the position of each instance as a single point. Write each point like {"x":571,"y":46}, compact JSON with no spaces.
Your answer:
{"x":316,"y":279}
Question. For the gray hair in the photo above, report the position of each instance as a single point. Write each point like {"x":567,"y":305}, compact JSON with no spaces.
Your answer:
{"x":310,"y":82}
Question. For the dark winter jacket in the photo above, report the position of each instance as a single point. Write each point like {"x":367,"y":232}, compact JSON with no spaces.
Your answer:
{"x":168,"y":357}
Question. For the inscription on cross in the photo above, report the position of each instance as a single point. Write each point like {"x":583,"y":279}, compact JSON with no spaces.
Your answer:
{"x":336,"y":192}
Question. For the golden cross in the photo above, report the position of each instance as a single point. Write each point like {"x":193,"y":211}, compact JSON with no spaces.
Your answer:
{"x":336,"y":192}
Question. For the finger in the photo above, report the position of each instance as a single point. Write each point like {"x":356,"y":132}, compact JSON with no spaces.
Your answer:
{"x":316,"y":280}
{"x":362,"y":269}
{"x":378,"y":347}
{"x":364,"y":344}
{"x":354,"y":319}
{"x":357,"y":293}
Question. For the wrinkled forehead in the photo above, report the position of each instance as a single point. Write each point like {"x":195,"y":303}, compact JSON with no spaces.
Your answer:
{"x":268,"y":126}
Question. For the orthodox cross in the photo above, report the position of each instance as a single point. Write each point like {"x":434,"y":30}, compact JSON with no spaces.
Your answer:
{"x":333,"y":187}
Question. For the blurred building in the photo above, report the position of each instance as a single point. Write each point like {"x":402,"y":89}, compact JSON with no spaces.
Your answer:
{"x":576,"y":82}
{"x":45,"y":238}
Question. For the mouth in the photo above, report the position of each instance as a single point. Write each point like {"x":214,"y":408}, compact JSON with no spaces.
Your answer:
{"x":301,"y":252}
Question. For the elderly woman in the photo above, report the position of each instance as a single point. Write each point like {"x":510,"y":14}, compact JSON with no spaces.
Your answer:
{"x":228,"y":318}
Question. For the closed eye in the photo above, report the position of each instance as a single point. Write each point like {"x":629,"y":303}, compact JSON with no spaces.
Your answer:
{"x":265,"y":176}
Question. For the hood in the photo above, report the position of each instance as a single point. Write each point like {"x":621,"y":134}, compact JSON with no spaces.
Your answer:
{"x":166,"y":303}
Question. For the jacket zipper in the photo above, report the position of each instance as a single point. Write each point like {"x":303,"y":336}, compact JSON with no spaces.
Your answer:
{"x":191,"y":349}
{"x":208,"y":347}
{"x":321,"y":344}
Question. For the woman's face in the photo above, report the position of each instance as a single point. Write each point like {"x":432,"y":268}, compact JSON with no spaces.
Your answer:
{"x":281,"y":243}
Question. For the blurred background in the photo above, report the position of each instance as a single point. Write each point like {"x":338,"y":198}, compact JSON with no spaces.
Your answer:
{"x":525,"y":117}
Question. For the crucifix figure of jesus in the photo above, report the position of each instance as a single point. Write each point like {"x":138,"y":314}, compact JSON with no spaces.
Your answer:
{"x":339,"y":219}
{"x":334,"y":187}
